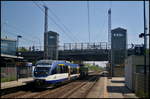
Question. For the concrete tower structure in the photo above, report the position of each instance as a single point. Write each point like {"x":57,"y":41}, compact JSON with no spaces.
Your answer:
{"x":52,"y":48}
{"x":119,"y":50}
{"x":50,"y":40}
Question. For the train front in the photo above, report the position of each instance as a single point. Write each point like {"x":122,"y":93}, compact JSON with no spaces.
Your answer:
{"x":41,"y":72}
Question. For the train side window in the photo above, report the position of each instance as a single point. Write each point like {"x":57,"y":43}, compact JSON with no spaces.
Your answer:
{"x":75,"y":70}
{"x":54,"y":71}
{"x":61,"y":69}
{"x":71,"y":70}
{"x":65,"y":69}
{"x":58,"y":69}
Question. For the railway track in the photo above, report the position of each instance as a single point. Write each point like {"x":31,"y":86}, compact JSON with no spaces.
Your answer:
{"x":75,"y":89}
{"x":82,"y":90}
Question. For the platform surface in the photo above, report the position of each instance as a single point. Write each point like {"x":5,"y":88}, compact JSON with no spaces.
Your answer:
{"x":16,"y":83}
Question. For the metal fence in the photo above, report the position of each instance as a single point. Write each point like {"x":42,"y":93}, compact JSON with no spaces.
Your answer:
{"x":13,"y":73}
{"x":8,"y":74}
{"x":139,"y":84}
{"x":78,"y":46}
{"x":140,"y":68}
{"x":71,"y":46}
{"x":24,"y":72}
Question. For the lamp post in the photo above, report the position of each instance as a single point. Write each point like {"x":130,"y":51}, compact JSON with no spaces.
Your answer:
{"x":145,"y":66}
{"x":145,"y":46}
{"x":19,"y":36}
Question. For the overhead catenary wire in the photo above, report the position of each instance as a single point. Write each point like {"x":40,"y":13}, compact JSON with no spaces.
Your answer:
{"x":18,"y":29}
{"x":58,"y":19}
{"x":24,"y":39}
{"x":15,"y":34}
{"x":88,"y":20}
{"x":54,"y":21}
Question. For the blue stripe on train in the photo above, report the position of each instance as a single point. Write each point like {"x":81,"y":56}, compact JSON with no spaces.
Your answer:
{"x":56,"y":81}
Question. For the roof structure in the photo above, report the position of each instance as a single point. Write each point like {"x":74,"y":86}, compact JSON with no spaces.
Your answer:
{"x":11,"y":56}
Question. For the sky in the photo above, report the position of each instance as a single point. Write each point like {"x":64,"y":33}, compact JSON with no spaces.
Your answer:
{"x":26,"y":19}
{"x":101,"y":64}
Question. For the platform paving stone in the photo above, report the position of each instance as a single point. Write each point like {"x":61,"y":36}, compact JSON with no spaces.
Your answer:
{"x":15,"y":83}
{"x":116,"y":88}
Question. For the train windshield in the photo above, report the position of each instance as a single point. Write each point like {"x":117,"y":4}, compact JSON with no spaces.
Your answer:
{"x":41,"y":71}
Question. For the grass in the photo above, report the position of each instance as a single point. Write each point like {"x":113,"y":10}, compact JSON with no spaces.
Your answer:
{"x":8,"y":79}
{"x":94,"y":67}
{"x":141,"y":94}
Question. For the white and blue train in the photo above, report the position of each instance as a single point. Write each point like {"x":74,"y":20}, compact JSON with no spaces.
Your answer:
{"x":51,"y":72}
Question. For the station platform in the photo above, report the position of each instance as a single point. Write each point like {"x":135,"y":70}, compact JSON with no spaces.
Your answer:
{"x":16,"y":83}
{"x":111,"y":88}
{"x":98,"y":91}
{"x":116,"y":88}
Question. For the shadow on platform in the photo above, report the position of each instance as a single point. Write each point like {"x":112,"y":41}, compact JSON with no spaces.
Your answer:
{"x":118,"y":89}
{"x":114,"y":81}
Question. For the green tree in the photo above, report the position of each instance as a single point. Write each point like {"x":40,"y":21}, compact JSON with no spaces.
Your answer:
{"x":94,"y":67}
{"x":23,"y":49}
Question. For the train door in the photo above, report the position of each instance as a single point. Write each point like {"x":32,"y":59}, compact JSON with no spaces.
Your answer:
{"x":69,"y":72}
{"x":58,"y":72}
{"x":62,"y":72}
